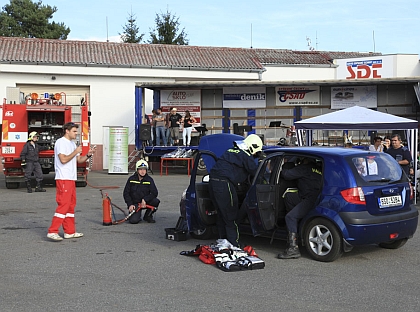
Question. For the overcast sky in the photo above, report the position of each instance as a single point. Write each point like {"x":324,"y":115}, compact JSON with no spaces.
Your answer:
{"x":328,"y":25}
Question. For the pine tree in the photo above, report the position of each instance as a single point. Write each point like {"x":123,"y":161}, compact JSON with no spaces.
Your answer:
{"x":167,"y":30}
{"x":24,"y":18}
{"x":131,"y":31}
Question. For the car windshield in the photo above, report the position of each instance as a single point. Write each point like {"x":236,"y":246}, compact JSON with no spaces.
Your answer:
{"x":376,"y":168}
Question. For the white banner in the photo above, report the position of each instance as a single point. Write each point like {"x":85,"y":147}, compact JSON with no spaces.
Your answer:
{"x":343,"y":97}
{"x":118,"y":150}
{"x":252,"y":97}
{"x":304,"y":95}
{"x":182,"y":100}
{"x":372,"y":67}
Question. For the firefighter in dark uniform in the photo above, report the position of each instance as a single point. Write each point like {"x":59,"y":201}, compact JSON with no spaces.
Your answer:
{"x":231,"y":168}
{"x":308,"y":177}
{"x":30,"y":162}
{"x":140,"y":190}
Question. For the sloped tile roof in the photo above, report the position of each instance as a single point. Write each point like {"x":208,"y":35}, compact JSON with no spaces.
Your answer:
{"x":68,"y":52}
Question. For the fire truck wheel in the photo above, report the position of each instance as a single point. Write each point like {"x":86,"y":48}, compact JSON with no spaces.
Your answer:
{"x":12,"y":185}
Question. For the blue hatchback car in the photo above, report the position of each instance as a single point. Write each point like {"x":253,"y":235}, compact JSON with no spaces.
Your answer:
{"x":366,"y":199}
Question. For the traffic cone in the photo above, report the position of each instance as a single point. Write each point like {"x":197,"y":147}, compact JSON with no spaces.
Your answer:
{"x":106,"y":210}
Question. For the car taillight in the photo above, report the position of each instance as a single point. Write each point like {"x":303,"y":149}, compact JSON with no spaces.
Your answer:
{"x":354,"y":195}
{"x":411,"y":191}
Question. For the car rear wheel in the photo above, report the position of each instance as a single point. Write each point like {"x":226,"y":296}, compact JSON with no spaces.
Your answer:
{"x":394,"y":244}
{"x":323,"y":240}
{"x":205,"y":233}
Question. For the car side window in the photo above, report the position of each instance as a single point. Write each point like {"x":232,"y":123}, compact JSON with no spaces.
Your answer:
{"x":268,"y":171}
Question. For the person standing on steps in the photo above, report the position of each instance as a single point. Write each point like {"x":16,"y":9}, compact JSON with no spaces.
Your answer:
{"x":188,"y":121}
{"x":174,"y":122}
{"x":30,"y":162}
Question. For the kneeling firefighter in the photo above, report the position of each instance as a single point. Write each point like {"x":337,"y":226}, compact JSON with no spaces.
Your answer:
{"x":30,"y":162}
{"x":232,"y":168}
{"x":140,"y":190}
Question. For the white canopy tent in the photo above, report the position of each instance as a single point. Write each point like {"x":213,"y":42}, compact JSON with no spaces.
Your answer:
{"x":359,"y":118}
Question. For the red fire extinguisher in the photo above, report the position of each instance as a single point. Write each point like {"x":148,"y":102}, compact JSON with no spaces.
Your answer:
{"x":106,"y":210}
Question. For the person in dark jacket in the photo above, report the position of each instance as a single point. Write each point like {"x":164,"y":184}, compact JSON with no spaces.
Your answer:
{"x":140,"y":190}
{"x":232,"y":168}
{"x":30,"y":162}
{"x":308,"y":177}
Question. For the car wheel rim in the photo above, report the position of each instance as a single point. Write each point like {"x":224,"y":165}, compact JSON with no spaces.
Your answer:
{"x":320,"y":240}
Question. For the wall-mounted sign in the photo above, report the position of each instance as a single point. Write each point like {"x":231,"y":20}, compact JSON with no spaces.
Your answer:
{"x":343,"y":97}
{"x":183,"y":100}
{"x":252,"y":97}
{"x":303,"y":95}
{"x":372,"y":67}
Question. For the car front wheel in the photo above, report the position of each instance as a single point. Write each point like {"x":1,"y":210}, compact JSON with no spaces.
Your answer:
{"x":323,"y":240}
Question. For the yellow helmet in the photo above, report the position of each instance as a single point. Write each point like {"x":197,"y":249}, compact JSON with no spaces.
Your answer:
{"x":254,"y":143}
{"x":32,"y":135}
{"x":142,"y":164}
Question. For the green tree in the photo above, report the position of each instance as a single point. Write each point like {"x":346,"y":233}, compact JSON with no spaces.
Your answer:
{"x":24,"y":18}
{"x":131,"y":31}
{"x":167,"y":30}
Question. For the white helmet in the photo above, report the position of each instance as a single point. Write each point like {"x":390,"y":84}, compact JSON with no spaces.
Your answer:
{"x":254,"y":143}
{"x":142,"y":164}
{"x":32,"y":135}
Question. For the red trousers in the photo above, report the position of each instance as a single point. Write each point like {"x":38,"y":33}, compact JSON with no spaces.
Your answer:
{"x":64,"y":213}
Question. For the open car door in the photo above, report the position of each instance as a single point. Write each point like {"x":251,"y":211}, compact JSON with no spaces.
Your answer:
{"x":264,"y":202}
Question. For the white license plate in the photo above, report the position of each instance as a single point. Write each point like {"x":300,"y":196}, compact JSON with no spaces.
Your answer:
{"x":390,"y":201}
{"x":7,"y":149}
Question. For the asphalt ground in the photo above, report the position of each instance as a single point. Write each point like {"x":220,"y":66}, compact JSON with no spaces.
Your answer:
{"x":135,"y":268}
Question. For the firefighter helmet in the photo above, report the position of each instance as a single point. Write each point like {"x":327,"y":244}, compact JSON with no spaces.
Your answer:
{"x":254,"y":143}
{"x":142,"y":164}
{"x":32,"y":135}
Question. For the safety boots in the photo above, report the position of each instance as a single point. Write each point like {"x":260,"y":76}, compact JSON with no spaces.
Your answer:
{"x":38,"y":187}
{"x":292,"y":250}
{"x":148,"y":216}
{"x":28,"y":186}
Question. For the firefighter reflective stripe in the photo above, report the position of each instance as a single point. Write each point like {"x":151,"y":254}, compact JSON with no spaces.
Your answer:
{"x":61,"y":216}
{"x":139,"y":182}
{"x":85,"y":131}
{"x":5,"y":130}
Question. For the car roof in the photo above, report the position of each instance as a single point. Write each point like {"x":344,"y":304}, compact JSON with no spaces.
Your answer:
{"x":320,"y":151}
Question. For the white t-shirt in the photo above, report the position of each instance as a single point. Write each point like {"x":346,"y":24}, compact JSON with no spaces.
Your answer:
{"x":66,"y":171}
{"x":373,"y":149}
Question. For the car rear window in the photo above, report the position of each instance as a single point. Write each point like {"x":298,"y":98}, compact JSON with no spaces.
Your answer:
{"x":377,"y":167}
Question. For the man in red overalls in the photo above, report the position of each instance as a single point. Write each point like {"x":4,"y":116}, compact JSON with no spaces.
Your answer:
{"x":66,"y":157}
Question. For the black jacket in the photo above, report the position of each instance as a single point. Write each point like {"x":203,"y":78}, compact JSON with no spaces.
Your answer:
{"x":136,"y":190}
{"x":308,"y":177}
{"x":30,"y":153}
{"x":234,"y":165}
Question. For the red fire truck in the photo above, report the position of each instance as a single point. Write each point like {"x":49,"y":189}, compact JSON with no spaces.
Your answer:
{"x":46,"y":115}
